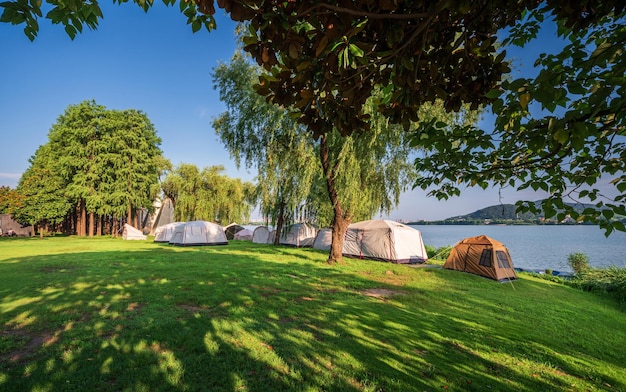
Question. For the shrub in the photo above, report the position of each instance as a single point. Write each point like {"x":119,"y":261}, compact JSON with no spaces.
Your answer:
{"x":440,"y":253}
{"x":610,"y":281}
{"x":579,"y":262}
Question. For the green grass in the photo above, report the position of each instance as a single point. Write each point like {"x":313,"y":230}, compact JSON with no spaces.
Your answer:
{"x":110,"y":315}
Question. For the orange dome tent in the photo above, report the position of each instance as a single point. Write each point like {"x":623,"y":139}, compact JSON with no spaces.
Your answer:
{"x":482,"y":256}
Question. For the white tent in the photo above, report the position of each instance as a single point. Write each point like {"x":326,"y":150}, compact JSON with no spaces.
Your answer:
{"x":243,"y":235}
{"x":130,"y":233}
{"x":199,"y":233}
{"x":299,"y":235}
{"x":164,"y":233}
{"x":261,"y":235}
{"x":323,"y":240}
{"x":384,"y":240}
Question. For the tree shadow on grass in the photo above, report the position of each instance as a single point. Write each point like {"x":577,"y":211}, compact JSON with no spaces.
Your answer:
{"x":220,"y":318}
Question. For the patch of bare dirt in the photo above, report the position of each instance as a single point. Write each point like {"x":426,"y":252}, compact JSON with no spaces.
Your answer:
{"x":381,"y":293}
{"x":31,"y":343}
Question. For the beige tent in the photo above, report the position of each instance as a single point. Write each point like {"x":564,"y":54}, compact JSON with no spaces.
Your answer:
{"x":243,"y":235}
{"x":199,"y":233}
{"x":384,"y":240}
{"x":300,"y":235}
{"x":164,"y":233}
{"x":261,"y":235}
{"x":482,"y":256}
{"x":130,"y":233}
{"x":323,"y":240}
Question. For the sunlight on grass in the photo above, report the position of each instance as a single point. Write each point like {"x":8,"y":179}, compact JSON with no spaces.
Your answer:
{"x":8,"y":304}
{"x":118,"y":316}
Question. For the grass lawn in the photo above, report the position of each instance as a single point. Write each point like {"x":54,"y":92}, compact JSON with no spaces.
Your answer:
{"x":79,"y":314}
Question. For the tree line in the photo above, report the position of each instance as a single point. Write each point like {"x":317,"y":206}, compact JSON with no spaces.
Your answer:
{"x":102,"y":168}
{"x":330,"y":62}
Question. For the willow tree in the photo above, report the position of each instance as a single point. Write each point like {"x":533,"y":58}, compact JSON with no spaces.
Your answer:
{"x":207,"y":194}
{"x":337,"y":178}
{"x":263,"y":136}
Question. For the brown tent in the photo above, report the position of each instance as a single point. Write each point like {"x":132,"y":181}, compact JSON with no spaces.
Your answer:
{"x":482,"y":256}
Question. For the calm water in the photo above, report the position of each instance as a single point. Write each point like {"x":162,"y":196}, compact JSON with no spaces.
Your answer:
{"x":539,"y":247}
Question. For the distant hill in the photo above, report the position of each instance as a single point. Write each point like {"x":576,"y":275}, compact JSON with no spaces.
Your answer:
{"x":496,"y":212}
{"x":501,"y":212}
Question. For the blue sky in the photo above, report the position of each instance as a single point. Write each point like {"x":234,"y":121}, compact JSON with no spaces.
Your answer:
{"x":154,"y":63}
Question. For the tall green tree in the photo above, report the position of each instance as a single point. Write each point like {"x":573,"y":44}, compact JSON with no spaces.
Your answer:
{"x":207,"y":194}
{"x":42,"y":199}
{"x":76,"y":141}
{"x":340,"y":178}
{"x":265,"y":137}
{"x":133,"y":162}
{"x":106,"y":163}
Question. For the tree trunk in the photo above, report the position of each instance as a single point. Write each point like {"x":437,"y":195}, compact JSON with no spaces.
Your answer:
{"x":280,"y":221}
{"x":92,"y":223}
{"x":129,"y":214}
{"x":100,"y":230}
{"x":82,"y":219}
{"x":341,"y":220}
{"x":116,"y":226}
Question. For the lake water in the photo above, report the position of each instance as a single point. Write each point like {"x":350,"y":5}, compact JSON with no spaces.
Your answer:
{"x":539,"y":247}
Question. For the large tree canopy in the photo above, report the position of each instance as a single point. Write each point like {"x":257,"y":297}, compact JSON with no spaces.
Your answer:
{"x":326,"y":57}
{"x":562,"y":132}
{"x":335,"y":179}
{"x":97,"y":162}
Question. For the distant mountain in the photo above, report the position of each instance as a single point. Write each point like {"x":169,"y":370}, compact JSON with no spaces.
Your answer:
{"x":507,"y":212}
{"x":497,"y":212}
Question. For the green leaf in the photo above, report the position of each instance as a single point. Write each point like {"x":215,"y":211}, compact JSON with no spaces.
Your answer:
{"x":356,"y":51}
{"x":561,"y":136}
{"x":493,"y":94}
{"x":196,"y":25}
{"x":71,"y":31}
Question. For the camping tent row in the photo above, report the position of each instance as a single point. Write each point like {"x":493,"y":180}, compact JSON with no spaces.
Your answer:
{"x":191,"y":233}
{"x":300,"y":235}
{"x":383,"y":240}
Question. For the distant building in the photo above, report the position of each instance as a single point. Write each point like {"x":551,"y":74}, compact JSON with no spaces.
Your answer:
{"x":7,"y":224}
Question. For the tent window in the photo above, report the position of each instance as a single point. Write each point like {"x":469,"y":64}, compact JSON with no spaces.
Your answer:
{"x":485,"y":258}
{"x":503,"y":260}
